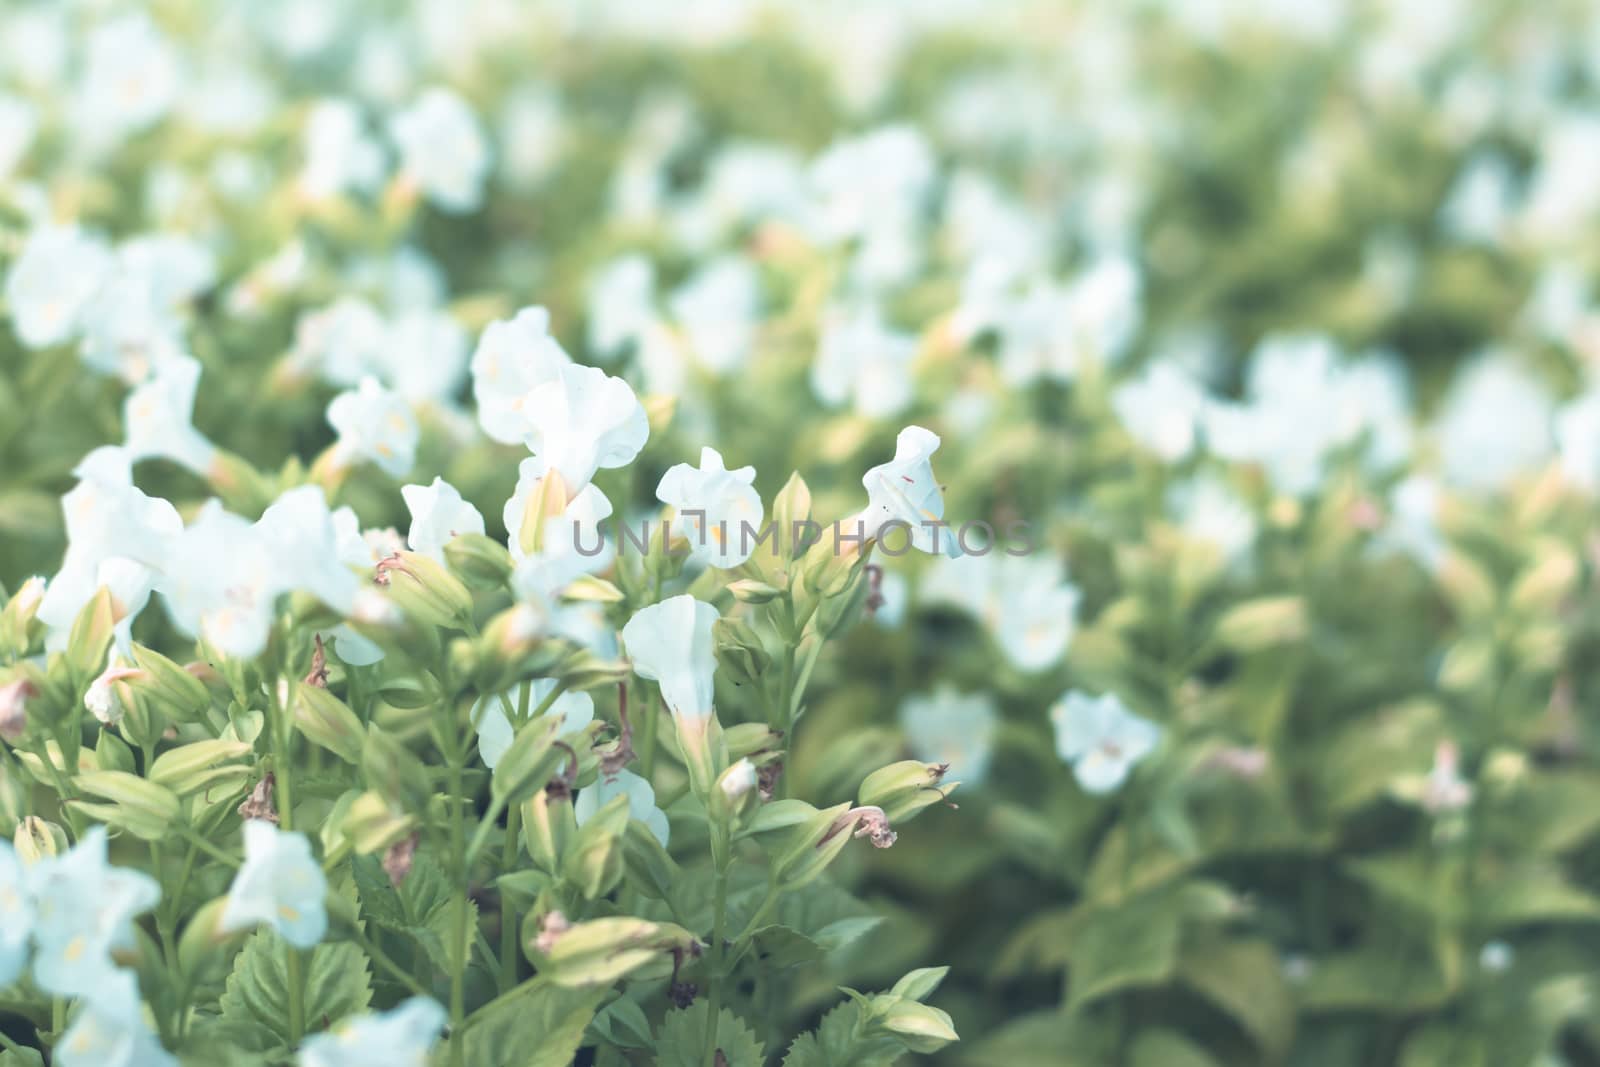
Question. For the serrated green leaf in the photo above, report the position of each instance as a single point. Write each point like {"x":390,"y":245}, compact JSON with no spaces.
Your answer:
{"x":681,"y":1040}
{"x":537,"y":1024}
{"x":255,"y":997}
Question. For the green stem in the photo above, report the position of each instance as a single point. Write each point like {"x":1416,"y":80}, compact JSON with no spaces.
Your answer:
{"x":194,"y":837}
{"x":718,"y":951}
{"x":283,"y":765}
{"x":509,"y":923}
{"x":647,"y":733}
{"x":297,"y":1000}
{"x":381,"y":958}
{"x":458,"y":852}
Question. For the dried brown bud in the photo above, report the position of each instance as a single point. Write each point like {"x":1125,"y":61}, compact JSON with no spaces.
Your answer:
{"x":397,"y":861}
{"x":259,"y":804}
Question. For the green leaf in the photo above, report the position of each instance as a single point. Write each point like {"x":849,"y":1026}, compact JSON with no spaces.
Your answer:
{"x":1167,"y":1048}
{"x":380,"y":901}
{"x":1123,"y":946}
{"x":1391,"y":975}
{"x":537,"y":1024}
{"x":779,"y":946}
{"x":255,"y":998}
{"x":624,"y":1023}
{"x":1244,"y":979}
{"x":21,"y":1057}
{"x":839,"y":1043}
{"x":1045,"y":1039}
{"x":683,"y":1033}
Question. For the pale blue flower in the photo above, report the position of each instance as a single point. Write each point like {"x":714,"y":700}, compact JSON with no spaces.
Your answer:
{"x":16,"y":915}
{"x":1101,"y":739}
{"x":495,"y":733}
{"x":280,"y":885}
{"x":83,"y":912}
{"x":109,"y":1030}
{"x":641,"y":801}
{"x":400,"y":1037}
{"x":952,"y":728}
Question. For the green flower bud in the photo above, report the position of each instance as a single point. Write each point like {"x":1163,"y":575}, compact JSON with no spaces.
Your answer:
{"x":599,"y":952}
{"x":90,"y":636}
{"x":393,"y":771}
{"x":178,"y":694}
{"x":328,"y":721}
{"x":750,"y":738}
{"x":18,"y":625}
{"x":480,"y":562}
{"x":740,"y":651}
{"x":531,"y":761}
{"x":425,"y":590}
{"x":919,"y":1027}
{"x":903,"y":789}
{"x":1264,"y":623}
{"x":593,"y":862}
{"x":547,"y":827}
{"x":144,"y":809}
{"x":193,"y":767}
{"x":38,"y":839}
{"x":203,"y":943}
{"x":751,"y":591}
{"x":371,"y":825}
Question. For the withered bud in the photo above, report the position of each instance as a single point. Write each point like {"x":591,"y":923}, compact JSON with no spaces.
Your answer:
{"x":551,"y":927}
{"x":398,"y":859}
{"x":869,"y":822}
{"x":259,"y":804}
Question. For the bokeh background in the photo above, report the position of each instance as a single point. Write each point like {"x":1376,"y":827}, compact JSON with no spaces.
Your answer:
{"x":1275,"y":321}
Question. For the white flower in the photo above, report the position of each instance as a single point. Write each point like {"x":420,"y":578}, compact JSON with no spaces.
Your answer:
{"x":1444,"y":790}
{"x":670,"y":644}
{"x":16,"y":916}
{"x":19,"y":121}
{"x":102,"y":698}
{"x":131,"y":75}
{"x":340,"y":156}
{"x":425,"y":355}
{"x":904,"y":492}
{"x":83,"y":912}
{"x":52,"y":282}
{"x":1053,"y":329}
{"x":719,"y":309}
{"x":443,"y":150}
{"x":1414,"y":521}
{"x":1209,"y":512}
{"x":573,"y":543}
{"x":715,"y":508}
{"x":1578,"y":436}
{"x":400,"y":1037}
{"x":866,"y":182}
{"x":1563,"y":198}
{"x":343,"y":342}
{"x":737,"y":780}
{"x":438,"y":514}
{"x":280,"y":884}
{"x":1161,"y":410}
{"x":863,"y":362}
{"x":495,"y":733}
{"x":641,"y":801}
{"x":375,"y":424}
{"x":300,"y":534}
{"x":1495,"y":424}
{"x":158,"y":418}
{"x":1480,"y":201}
{"x":110,"y":1030}
{"x":1024,"y":601}
{"x":224,"y":583}
{"x":952,"y":728}
{"x":621,"y":305}
{"x":513,"y":356}
{"x":584,"y":420}
{"x":1101,"y":738}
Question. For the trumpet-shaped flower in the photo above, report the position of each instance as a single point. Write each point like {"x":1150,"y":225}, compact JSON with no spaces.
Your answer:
{"x":400,"y":1037}
{"x":670,"y":644}
{"x":572,"y":542}
{"x":131,"y":75}
{"x":438,"y":514}
{"x":904,"y":492}
{"x":863,"y":362}
{"x":425,"y":355}
{"x":375,"y":424}
{"x":225,"y":586}
{"x":1102,"y":739}
{"x":952,"y":728}
{"x":576,"y":710}
{"x":83,"y":912}
{"x":299,"y":532}
{"x":110,"y":1030}
{"x":280,"y":885}
{"x":584,"y":420}
{"x":443,"y":150}
{"x":340,"y":156}
{"x":343,"y":342}
{"x":1026,"y":602}
{"x":719,"y":309}
{"x":158,"y":418}
{"x":52,"y":283}
{"x":641,"y":801}
{"x":16,"y":915}
{"x":513,"y":356}
{"x":714,"y":506}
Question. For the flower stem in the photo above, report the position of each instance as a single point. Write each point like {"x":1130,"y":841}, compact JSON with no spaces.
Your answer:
{"x":718,"y":955}
{"x":509,"y":923}
{"x":459,"y":951}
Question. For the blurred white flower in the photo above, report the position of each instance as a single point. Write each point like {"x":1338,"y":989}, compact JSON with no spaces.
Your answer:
{"x":1026,"y":602}
{"x":16,"y":913}
{"x":131,"y":76}
{"x":1480,"y":202}
{"x":641,"y":801}
{"x":443,"y":150}
{"x":1210,"y":512}
{"x":19,"y":121}
{"x":343,"y":342}
{"x":862,"y":362}
{"x":158,"y":418}
{"x":863,"y":183}
{"x":718,"y":309}
{"x":1053,"y":329}
{"x":513,"y":356}
{"x":52,"y":283}
{"x":377,"y":425}
{"x":1577,"y":433}
{"x":1563,"y":199}
{"x":670,"y":644}
{"x":438,"y":514}
{"x":495,"y":734}
{"x":952,"y":728}
{"x":400,"y":1037}
{"x":83,"y":911}
{"x":621,"y":305}
{"x":1495,"y":424}
{"x":279,"y":885}
{"x":1101,"y":739}
{"x":725,"y":506}
{"x":1161,"y":409}
{"x":109,"y":1030}
{"x":340,"y":155}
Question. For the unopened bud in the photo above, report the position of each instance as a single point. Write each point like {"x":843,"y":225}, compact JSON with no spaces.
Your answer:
{"x":547,"y":825}
{"x":920,"y":1027}
{"x":171,"y":688}
{"x":143,"y":808}
{"x":735,"y":790}
{"x":751,"y":591}
{"x":371,"y":825}
{"x":902,"y":790}
{"x":1263,"y":623}
{"x":38,"y":839}
{"x":479,"y":561}
{"x":190,"y":768}
{"x":328,"y":721}
{"x":14,"y":697}
{"x":597,"y":953}
{"x":425,"y":590}
{"x":108,"y":697}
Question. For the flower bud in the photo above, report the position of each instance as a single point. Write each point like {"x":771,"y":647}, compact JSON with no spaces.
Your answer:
{"x":1541,"y":588}
{"x":740,"y":651}
{"x":14,"y":697}
{"x":751,"y":591}
{"x":597,"y":953}
{"x":735,"y":791}
{"x":193,"y":767}
{"x":242,"y":488}
{"x":90,"y":636}
{"x":38,"y":839}
{"x":328,"y":721}
{"x":531,"y":761}
{"x":109,"y":696}
{"x":171,"y":688}
{"x":593,"y":863}
{"x":203,"y":939}
{"x":750,"y":738}
{"x":919,"y":1027}
{"x":808,"y":849}
{"x":425,"y":590}
{"x":647,"y":865}
{"x":1263,"y":623}
{"x":18,"y":627}
{"x":142,"y":808}
{"x":547,"y":500}
{"x":903,"y":789}
{"x":479,"y":561}
{"x":547,"y":826}
{"x":371,"y":825}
